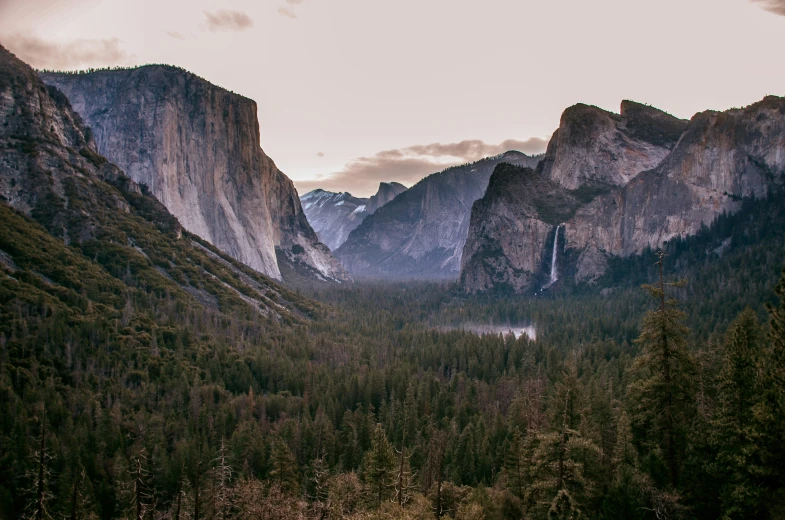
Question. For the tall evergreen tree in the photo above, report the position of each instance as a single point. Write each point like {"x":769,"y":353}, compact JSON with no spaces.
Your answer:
{"x":735,"y":434}
{"x":772,"y":412}
{"x":379,"y":470}
{"x":661,"y":396}
{"x":517,"y":465}
{"x":284,"y":467}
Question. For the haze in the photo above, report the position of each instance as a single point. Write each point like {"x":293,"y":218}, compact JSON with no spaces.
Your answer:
{"x":353,"y":92}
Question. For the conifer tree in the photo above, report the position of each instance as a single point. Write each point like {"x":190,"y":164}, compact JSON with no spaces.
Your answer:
{"x":222,"y":476}
{"x":558,"y":466}
{"x":405,"y":478}
{"x":517,"y":461}
{"x":40,"y":494}
{"x":284,"y":467}
{"x":735,"y":434}
{"x":772,"y":411}
{"x":379,"y":467}
{"x":662,"y":393}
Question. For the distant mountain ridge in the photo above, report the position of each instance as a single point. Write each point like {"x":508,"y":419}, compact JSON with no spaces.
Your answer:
{"x":334,"y":215}
{"x":196,"y":146}
{"x":421,"y":233}
{"x":613,"y":185}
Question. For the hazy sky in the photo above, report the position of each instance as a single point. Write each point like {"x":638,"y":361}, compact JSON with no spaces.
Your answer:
{"x":352,"y":92}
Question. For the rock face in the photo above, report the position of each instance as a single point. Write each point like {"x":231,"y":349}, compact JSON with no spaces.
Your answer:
{"x":334,"y":215}
{"x":649,"y":183}
{"x":511,"y":226}
{"x":196,"y":146}
{"x":594,"y":148}
{"x":421,"y":233}
{"x":89,"y":229}
{"x":387,"y":191}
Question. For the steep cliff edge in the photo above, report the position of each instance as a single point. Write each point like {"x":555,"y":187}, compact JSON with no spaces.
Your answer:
{"x":334,"y":215}
{"x":596,"y":148}
{"x":512,"y":224}
{"x":84,"y":239}
{"x":421,"y":233}
{"x":196,"y":146}
{"x":387,"y":192}
{"x":715,"y":161}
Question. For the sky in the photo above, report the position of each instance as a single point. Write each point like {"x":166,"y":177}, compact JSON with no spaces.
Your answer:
{"x":354,"y":92}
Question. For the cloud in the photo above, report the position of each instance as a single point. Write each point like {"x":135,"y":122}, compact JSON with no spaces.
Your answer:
{"x":774,"y":6}
{"x":176,"y":35}
{"x":408,"y":165}
{"x":319,"y":154}
{"x":82,"y":52}
{"x":228,"y":21}
{"x":287,"y":10}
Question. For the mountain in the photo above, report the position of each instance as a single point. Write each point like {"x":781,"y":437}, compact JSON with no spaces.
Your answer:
{"x":421,"y":233}
{"x":334,"y":215}
{"x":594,"y":148}
{"x":654,"y":179}
{"x":196,"y":146}
{"x":80,"y":239}
{"x":387,"y":191}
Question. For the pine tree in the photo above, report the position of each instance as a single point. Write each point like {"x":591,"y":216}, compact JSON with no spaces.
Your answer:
{"x":81,"y":507}
{"x":625,"y":495}
{"x":662,"y":393}
{"x":222,"y":492}
{"x":379,"y":470}
{"x":559,"y":485}
{"x":735,"y":434}
{"x":405,"y":482}
{"x":772,"y":410}
{"x":517,"y":462}
{"x":41,"y":475}
{"x":284,"y":467}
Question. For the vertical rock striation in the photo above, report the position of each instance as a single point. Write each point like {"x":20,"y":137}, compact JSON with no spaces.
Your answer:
{"x":196,"y":146}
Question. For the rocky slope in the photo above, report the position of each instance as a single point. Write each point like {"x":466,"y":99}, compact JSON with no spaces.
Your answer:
{"x":75,"y":230}
{"x":421,"y":233}
{"x":196,"y":146}
{"x":334,"y":215}
{"x":715,"y":161}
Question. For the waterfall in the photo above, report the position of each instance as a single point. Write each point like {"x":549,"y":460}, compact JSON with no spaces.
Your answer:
{"x":554,"y":271}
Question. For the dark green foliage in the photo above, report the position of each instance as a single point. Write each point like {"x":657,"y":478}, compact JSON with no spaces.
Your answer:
{"x":662,"y":394}
{"x":736,"y":436}
{"x":379,"y":468}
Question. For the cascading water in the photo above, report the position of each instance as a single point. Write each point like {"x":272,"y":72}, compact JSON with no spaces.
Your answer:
{"x":554,"y":270}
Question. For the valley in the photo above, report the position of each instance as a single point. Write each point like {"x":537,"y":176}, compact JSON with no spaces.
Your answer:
{"x":597,"y":331}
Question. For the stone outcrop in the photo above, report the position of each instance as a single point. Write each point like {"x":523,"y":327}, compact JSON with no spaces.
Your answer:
{"x":196,"y":146}
{"x":620,"y":206}
{"x":334,"y":215}
{"x":421,"y":233}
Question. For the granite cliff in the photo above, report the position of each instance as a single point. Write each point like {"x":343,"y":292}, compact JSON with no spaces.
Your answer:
{"x":657,"y":178}
{"x":334,"y":215}
{"x":75,"y":231}
{"x":196,"y":146}
{"x":421,"y":233}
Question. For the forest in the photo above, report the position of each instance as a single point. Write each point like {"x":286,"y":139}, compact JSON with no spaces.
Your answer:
{"x":121,"y":397}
